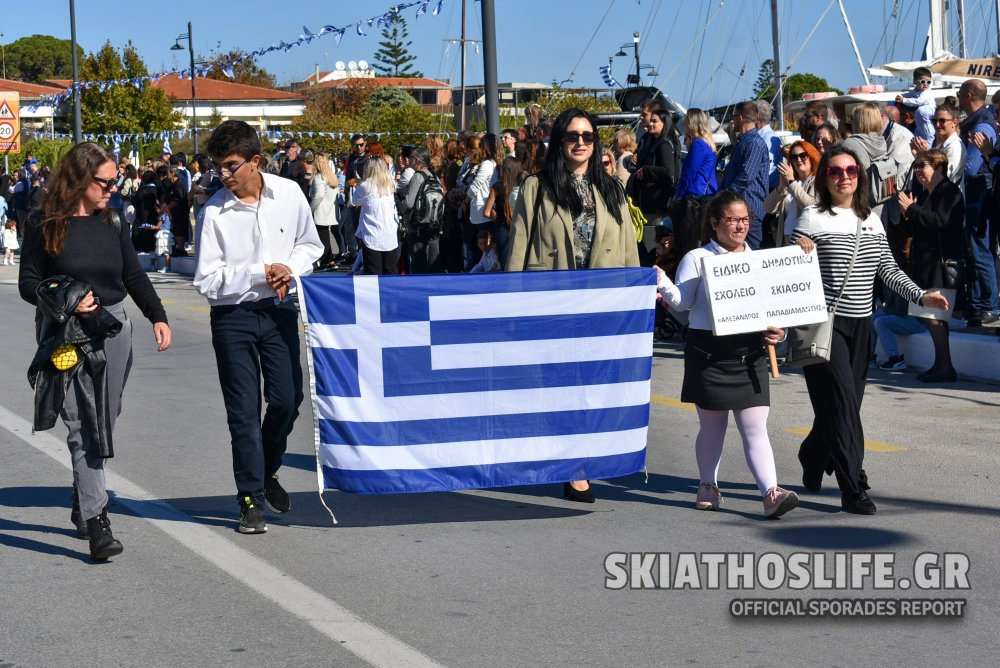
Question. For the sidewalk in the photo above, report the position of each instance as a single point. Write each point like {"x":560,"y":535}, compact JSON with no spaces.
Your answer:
{"x":975,"y":352}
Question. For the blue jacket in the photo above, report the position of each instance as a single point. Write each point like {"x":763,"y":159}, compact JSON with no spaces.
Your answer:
{"x":698,"y":171}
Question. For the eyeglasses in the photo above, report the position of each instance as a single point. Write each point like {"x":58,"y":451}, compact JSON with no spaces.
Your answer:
{"x":574,"y":137}
{"x":107,"y":184}
{"x":939,"y":121}
{"x":798,"y":157}
{"x":851,"y":172}
{"x":733,"y":221}
{"x":922,"y":81}
{"x":230,"y":172}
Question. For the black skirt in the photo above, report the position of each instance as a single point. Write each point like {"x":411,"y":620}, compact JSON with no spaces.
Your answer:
{"x":725,"y":372}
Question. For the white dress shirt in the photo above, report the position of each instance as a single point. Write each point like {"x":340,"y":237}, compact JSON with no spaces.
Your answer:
{"x":378,"y":225}
{"x":236,"y":240}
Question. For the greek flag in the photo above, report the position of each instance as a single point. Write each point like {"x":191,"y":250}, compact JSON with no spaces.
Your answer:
{"x":442,"y":382}
{"x":609,"y":80}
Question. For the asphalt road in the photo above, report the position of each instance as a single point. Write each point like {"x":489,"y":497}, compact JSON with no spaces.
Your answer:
{"x":507,"y":577}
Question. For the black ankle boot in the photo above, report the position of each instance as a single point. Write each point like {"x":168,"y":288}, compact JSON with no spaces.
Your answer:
{"x":102,"y":542}
{"x":77,"y":519}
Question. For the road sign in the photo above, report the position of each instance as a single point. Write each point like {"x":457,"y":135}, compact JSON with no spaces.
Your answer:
{"x":10,"y":126}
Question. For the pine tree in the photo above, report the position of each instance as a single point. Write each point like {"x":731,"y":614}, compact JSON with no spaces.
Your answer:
{"x":393,"y":57}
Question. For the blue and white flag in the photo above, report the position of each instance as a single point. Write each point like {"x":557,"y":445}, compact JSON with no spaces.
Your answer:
{"x":609,"y":80}
{"x":443,"y":382}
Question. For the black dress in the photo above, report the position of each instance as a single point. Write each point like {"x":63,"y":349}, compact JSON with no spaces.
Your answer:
{"x":937,"y":222}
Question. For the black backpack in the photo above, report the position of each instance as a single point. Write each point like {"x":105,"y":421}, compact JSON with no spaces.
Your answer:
{"x":428,"y":209}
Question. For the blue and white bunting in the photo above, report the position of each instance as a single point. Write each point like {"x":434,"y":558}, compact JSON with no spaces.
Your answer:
{"x":435,"y":383}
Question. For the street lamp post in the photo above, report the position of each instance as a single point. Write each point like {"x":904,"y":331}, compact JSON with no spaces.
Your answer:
{"x":638,"y":71}
{"x":77,"y":122}
{"x":194,"y":95}
{"x":3,"y":54}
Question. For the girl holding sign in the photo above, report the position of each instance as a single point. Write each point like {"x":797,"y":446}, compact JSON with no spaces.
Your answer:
{"x":843,"y":226}
{"x":725,"y":373}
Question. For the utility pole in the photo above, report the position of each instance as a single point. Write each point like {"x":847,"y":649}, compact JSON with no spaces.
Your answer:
{"x":490,"y":67}
{"x":77,"y":123}
{"x":779,"y":99}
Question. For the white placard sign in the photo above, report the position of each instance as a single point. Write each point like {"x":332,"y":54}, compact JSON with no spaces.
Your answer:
{"x":749,"y":291}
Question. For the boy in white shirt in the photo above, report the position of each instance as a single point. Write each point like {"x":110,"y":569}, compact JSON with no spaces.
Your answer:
{"x":922,"y":100}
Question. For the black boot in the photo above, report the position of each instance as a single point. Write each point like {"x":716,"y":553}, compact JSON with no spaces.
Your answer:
{"x":102,"y":542}
{"x":77,"y":519}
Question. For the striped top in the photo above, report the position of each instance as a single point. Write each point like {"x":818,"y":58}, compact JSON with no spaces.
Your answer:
{"x":833,"y":233}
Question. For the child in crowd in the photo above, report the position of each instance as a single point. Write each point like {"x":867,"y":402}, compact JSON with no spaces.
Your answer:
{"x":922,"y":100}
{"x":164,"y":242}
{"x":9,"y":241}
{"x":488,"y":247}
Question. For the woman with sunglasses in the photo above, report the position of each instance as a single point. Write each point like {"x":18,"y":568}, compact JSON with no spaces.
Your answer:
{"x":796,"y":189}
{"x":947,"y":139}
{"x":725,"y":373}
{"x":572,"y":215}
{"x":936,"y":220}
{"x":655,"y":178}
{"x":836,"y":388}
{"x":826,"y":137}
{"x":75,"y":235}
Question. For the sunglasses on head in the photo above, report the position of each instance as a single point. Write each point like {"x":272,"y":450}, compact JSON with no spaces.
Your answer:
{"x":851,"y":171}
{"x":574,"y":137}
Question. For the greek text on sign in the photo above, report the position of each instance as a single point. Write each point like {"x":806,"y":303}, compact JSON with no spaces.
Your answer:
{"x":750,"y":290}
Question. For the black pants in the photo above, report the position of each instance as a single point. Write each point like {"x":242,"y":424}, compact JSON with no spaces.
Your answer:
{"x":250,"y":343}
{"x":837,"y":439}
{"x":425,"y":255}
{"x":379,"y":262}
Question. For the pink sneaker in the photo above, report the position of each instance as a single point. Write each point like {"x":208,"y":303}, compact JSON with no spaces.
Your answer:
{"x":709,"y":496}
{"x":779,"y":501}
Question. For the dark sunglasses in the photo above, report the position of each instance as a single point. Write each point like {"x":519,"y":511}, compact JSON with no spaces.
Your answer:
{"x":574,"y":137}
{"x":919,"y":165}
{"x":851,"y":171}
{"x":939,"y":121}
{"x":107,"y":184}
{"x":606,"y":163}
{"x":361,"y":145}
{"x":799,"y":157}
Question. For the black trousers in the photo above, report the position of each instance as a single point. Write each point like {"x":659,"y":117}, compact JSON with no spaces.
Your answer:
{"x":250,"y":344}
{"x":379,"y":262}
{"x":837,"y":439}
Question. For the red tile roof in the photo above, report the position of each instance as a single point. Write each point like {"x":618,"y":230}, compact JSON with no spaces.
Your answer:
{"x":209,"y":89}
{"x":28,"y":89}
{"x":380,"y":82}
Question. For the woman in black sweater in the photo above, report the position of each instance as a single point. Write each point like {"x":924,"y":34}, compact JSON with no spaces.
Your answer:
{"x":74,"y":234}
{"x":937,"y":222}
{"x":656,"y":174}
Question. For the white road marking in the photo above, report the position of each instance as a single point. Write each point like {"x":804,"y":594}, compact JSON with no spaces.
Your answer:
{"x":334,"y":621}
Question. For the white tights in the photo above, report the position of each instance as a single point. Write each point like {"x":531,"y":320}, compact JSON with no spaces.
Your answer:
{"x":752,"y":424}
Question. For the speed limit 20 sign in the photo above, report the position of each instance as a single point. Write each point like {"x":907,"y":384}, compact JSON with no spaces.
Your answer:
{"x":10,"y":129}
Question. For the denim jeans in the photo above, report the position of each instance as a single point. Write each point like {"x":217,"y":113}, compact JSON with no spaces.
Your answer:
{"x":887,"y":326}
{"x":981,"y":270}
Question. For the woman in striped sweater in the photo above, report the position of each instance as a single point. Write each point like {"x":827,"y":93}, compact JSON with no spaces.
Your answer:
{"x":836,"y":388}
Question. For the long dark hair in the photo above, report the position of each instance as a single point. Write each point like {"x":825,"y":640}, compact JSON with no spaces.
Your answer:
{"x":557,"y":180}
{"x":66,"y":188}
{"x":861,"y":205}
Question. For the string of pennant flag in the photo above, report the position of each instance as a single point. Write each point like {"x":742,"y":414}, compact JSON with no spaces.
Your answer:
{"x":228,"y":66}
{"x":166,"y":135}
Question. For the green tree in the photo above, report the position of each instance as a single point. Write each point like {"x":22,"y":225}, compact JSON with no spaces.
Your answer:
{"x":246,"y":71}
{"x":387,"y":96}
{"x":40,"y":57}
{"x":393,"y":57}
{"x":122,"y":108}
{"x":796,"y":85}
{"x":48,"y":151}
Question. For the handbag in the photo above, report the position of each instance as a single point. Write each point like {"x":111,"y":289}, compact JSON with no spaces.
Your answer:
{"x":811,"y":344}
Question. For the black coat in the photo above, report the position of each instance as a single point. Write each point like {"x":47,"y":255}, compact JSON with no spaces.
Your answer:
{"x":658,"y":161}
{"x":937,"y":223}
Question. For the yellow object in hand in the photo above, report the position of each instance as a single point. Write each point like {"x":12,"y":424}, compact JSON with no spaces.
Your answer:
{"x":64,"y":357}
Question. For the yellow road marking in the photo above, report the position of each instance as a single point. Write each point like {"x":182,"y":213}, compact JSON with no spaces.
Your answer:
{"x":201,"y":309}
{"x":870,"y":445}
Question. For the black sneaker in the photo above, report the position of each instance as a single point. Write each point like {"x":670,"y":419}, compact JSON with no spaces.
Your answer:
{"x":894,"y":363}
{"x":275,"y":495}
{"x":74,"y":516}
{"x":859,"y":503}
{"x":251,"y":517}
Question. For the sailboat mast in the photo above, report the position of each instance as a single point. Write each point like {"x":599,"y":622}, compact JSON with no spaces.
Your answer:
{"x":850,"y":33}
{"x":461,"y":125}
{"x":779,"y":99}
{"x":961,"y":29}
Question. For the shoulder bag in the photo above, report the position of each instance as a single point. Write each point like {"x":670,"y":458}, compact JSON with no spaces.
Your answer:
{"x":810,"y":344}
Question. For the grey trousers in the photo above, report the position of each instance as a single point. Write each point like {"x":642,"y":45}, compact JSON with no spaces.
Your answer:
{"x":88,"y":471}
